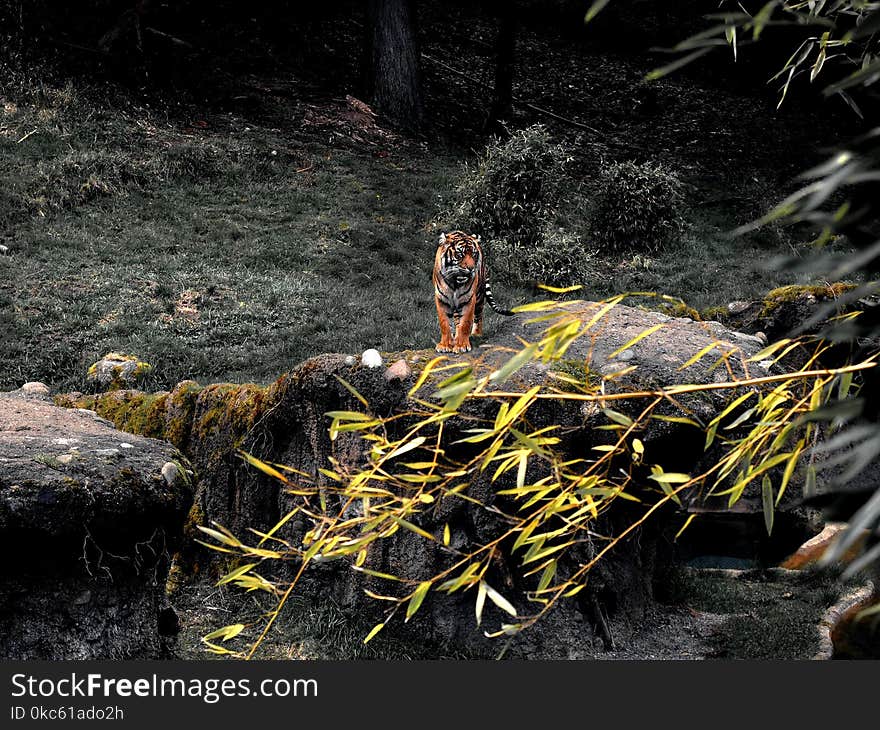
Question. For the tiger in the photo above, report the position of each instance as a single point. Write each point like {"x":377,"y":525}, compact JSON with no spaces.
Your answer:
{"x":461,"y":286}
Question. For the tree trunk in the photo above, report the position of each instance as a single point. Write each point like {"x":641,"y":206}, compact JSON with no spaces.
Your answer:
{"x":501,"y":109}
{"x":396,"y":82}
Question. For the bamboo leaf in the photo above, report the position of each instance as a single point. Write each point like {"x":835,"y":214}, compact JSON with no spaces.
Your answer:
{"x":404,"y":448}
{"x":499,"y":600}
{"x":232,"y":575}
{"x":684,"y":526}
{"x":767,"y":501}
{"x":481,"y":600}
{"x":263,"y":466}
{"x":617,"y":417}
{"x":635,"y":340}
{"x":417,"y":597}
{"x":423,"y":376}
{"x":560,"y":290}
{"x":226,"y":633}
{"x":375,"y":630}
{"x":513,"y":364}
{"x":220,"y":536}
{"x":595,"y":9}
{"x":548,"y":575}
{"x":351,"y":389}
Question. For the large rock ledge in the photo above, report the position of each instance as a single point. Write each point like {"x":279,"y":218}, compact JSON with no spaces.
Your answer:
{"x":284,"y":422}
{"x":88,"y":518}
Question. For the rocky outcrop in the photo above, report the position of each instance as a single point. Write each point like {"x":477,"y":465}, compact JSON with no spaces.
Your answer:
{"x":89,"y":516}
{"x":789,"y":309}
{"x":285,"y":423}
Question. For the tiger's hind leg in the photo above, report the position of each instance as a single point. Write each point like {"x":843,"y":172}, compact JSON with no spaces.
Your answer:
{"x":477,"y":328}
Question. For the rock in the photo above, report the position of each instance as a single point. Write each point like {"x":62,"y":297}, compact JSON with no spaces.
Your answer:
{"x":90,"y":535}
{"x":398,"y":370}
{"x":116,"y":370}
{"x":285,"y":423}
{"x":35,"y":388}
{"x":788,"y":308}
{"x":351,"y":361}
{"x":4,"y":250}
{"x":371,"y":359}
{"x":170,"y":472}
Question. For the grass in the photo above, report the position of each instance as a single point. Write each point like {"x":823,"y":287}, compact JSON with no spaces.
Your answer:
{"x":224,"y":249}
{"x":767,"y":616}
{"x":215,"y":272}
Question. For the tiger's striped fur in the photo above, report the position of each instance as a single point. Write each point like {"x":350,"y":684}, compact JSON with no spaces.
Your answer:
{"x":461,"y":286}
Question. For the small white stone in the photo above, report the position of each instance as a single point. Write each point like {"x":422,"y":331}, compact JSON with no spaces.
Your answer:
{"x":65,"y":458}
{"x":107,"y":452}
{"x":170,"y":472}
{"x":126,"y":445}
{"x":371,"y":359}
{"x":351,"y":360}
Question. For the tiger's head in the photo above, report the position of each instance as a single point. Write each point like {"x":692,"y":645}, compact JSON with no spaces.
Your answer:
{"x":459,"y":255}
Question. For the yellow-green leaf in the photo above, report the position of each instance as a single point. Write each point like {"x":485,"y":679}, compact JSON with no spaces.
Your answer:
{"x":417,"y":597}
{"x":513,"y":364}
{"x":375,"y":630}
{"x":263,"y":466}
{"x":351,"y":389}
{"x":232,"y":575}
{"x":226,"y":633}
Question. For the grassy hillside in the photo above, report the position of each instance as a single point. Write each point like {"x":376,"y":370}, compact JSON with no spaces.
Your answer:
{"x":229,"y":238}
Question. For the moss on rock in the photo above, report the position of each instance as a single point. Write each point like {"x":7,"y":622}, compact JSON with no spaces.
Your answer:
{"x":794,"y":292}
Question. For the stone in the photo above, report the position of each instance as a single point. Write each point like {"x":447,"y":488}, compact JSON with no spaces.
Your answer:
{"x":398,"y":370}
{"x":90,"y":535}
{"x":35,"y":388}
{"x":286,"y":423}
{"x":117,"y":370}
{"x":351,"y":361}
{"x":170,"y":472}
{"x":738,"y":307}
{"x":371,"y":359}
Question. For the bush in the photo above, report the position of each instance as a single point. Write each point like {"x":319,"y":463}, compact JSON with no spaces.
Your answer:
{"x":514,"y":190}
{"x":639,"y":207}
{"x":557,"y":259}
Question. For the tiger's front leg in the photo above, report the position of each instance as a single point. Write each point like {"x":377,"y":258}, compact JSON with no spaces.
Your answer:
{"x":445,"y":344}
{"x":462,"y":341}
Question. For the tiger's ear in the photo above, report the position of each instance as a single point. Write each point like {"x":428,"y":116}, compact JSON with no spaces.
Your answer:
{"x":442,"y":238}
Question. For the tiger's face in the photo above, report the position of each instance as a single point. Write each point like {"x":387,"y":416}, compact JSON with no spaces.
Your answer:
{"x":460,"y":257}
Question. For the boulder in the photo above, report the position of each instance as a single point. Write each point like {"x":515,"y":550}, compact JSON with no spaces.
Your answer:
{"x":89,"y":516}
{"x":117,"y":370}
{"x":626,"y":349}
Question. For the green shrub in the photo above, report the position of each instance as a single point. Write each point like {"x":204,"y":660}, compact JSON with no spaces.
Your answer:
{"x":558,"y":258}
{"x":638,"y":208}
{"x":514,"y":190}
